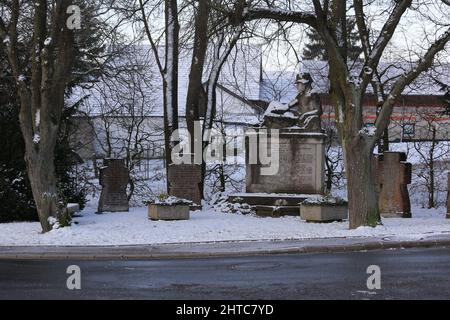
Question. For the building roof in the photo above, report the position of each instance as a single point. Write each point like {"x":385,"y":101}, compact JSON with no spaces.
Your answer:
{"x":241,"y":75}
{"x":242,"y":78}
{"x":280,"y":85}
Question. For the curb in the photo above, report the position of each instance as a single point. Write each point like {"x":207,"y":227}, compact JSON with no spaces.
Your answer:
{"x":215,"y":250}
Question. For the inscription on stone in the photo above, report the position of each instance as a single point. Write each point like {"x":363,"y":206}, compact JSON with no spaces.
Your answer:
{"x":306,"y":171}
{"x":306,"y":158}
{"x":306,"y":168}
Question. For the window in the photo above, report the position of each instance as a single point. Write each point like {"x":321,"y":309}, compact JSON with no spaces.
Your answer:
{"x":409,"y":129}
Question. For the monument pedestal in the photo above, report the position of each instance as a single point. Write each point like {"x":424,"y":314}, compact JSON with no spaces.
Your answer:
{"x":300,"y":175}
{"x":301,"y":164}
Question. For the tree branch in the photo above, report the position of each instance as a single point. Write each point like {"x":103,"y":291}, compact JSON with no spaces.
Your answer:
{"x":362,"y":27}
{"x":280,"y":15}
{"x":338,"y":65}
{"x":12,"y":43}
{"x":382,"y":41}
{"x":423,"y":65}
{"x":150,"y":38}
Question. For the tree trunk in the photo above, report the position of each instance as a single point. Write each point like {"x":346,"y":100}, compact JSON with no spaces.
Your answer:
{"x":329,"y":174}
{"x":222,"y":178}
{"x":170,"y":80}
{"x":132,"y":188}
{"x":386,"y":140}
{"x":195,"y":88}
{"x":431,"y":202}
{"x":362,"y":198}
{"x":40,"y":157}
{"x":41,"y":173}
{"x":167,"y":135}
{"x":431,"y":188}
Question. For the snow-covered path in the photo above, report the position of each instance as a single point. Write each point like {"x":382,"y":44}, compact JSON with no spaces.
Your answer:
{"x":134,"y":228}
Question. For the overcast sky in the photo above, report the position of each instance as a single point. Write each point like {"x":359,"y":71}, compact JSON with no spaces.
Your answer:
{"x":413,"y":35}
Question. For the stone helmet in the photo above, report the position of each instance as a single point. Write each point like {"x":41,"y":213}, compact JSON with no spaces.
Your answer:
{"x":303,"y":82}
{"x":304,"y":78}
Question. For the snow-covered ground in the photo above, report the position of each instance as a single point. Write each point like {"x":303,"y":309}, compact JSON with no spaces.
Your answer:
{"x":134,"y":228}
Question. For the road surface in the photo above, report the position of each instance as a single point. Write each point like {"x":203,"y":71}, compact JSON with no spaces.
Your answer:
{"x":405,"y":274}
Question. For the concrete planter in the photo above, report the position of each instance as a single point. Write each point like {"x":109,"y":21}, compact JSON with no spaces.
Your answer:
{"x":168,"y":212}
{"x":323,"y":212}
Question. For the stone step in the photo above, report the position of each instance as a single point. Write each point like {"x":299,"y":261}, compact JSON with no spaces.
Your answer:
{"x":275,"y":211}
{"x":273,"y":204}
{"x":271,"y":199}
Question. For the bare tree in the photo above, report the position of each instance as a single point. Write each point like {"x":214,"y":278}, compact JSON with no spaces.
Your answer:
{"x":165,"y":46}
{"x":432,"y":153}
{"x":207,"y":27}
{"x":227,"y":31}
{"x":224,"y":172}
{"x":122,"y":104}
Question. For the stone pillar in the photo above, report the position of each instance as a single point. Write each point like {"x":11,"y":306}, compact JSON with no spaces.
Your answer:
{"x":392,"y":176}
{"x":114,"y":178}
{"x":185,"y":182}
{"x":448,"y":195}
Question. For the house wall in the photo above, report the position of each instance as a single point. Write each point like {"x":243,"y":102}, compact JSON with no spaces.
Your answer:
{"x":412,"y":119}
{"x":89,"y":139}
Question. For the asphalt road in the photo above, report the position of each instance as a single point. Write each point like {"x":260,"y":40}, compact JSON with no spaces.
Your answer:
{"x":405,"y":274}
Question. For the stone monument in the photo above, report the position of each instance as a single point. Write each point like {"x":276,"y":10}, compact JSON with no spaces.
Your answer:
{"x":114,"y":178}
{"x":184,"y":183}
{"x":301,"y":147}
{"x":302,"y":113}
{"x":448,"y":196}
{"x":392,"y":176}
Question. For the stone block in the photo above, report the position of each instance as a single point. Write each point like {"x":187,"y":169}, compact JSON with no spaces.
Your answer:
{"x":323,"y":213}
{"x":168,"y":212}
{"x":114,"y":178}
{"x":184,"y":182}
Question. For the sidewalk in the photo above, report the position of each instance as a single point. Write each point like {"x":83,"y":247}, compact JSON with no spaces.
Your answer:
{"x":216,"y":249}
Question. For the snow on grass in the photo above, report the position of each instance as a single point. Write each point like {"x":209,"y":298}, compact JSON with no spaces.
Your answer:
{"x":134,"y":228}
